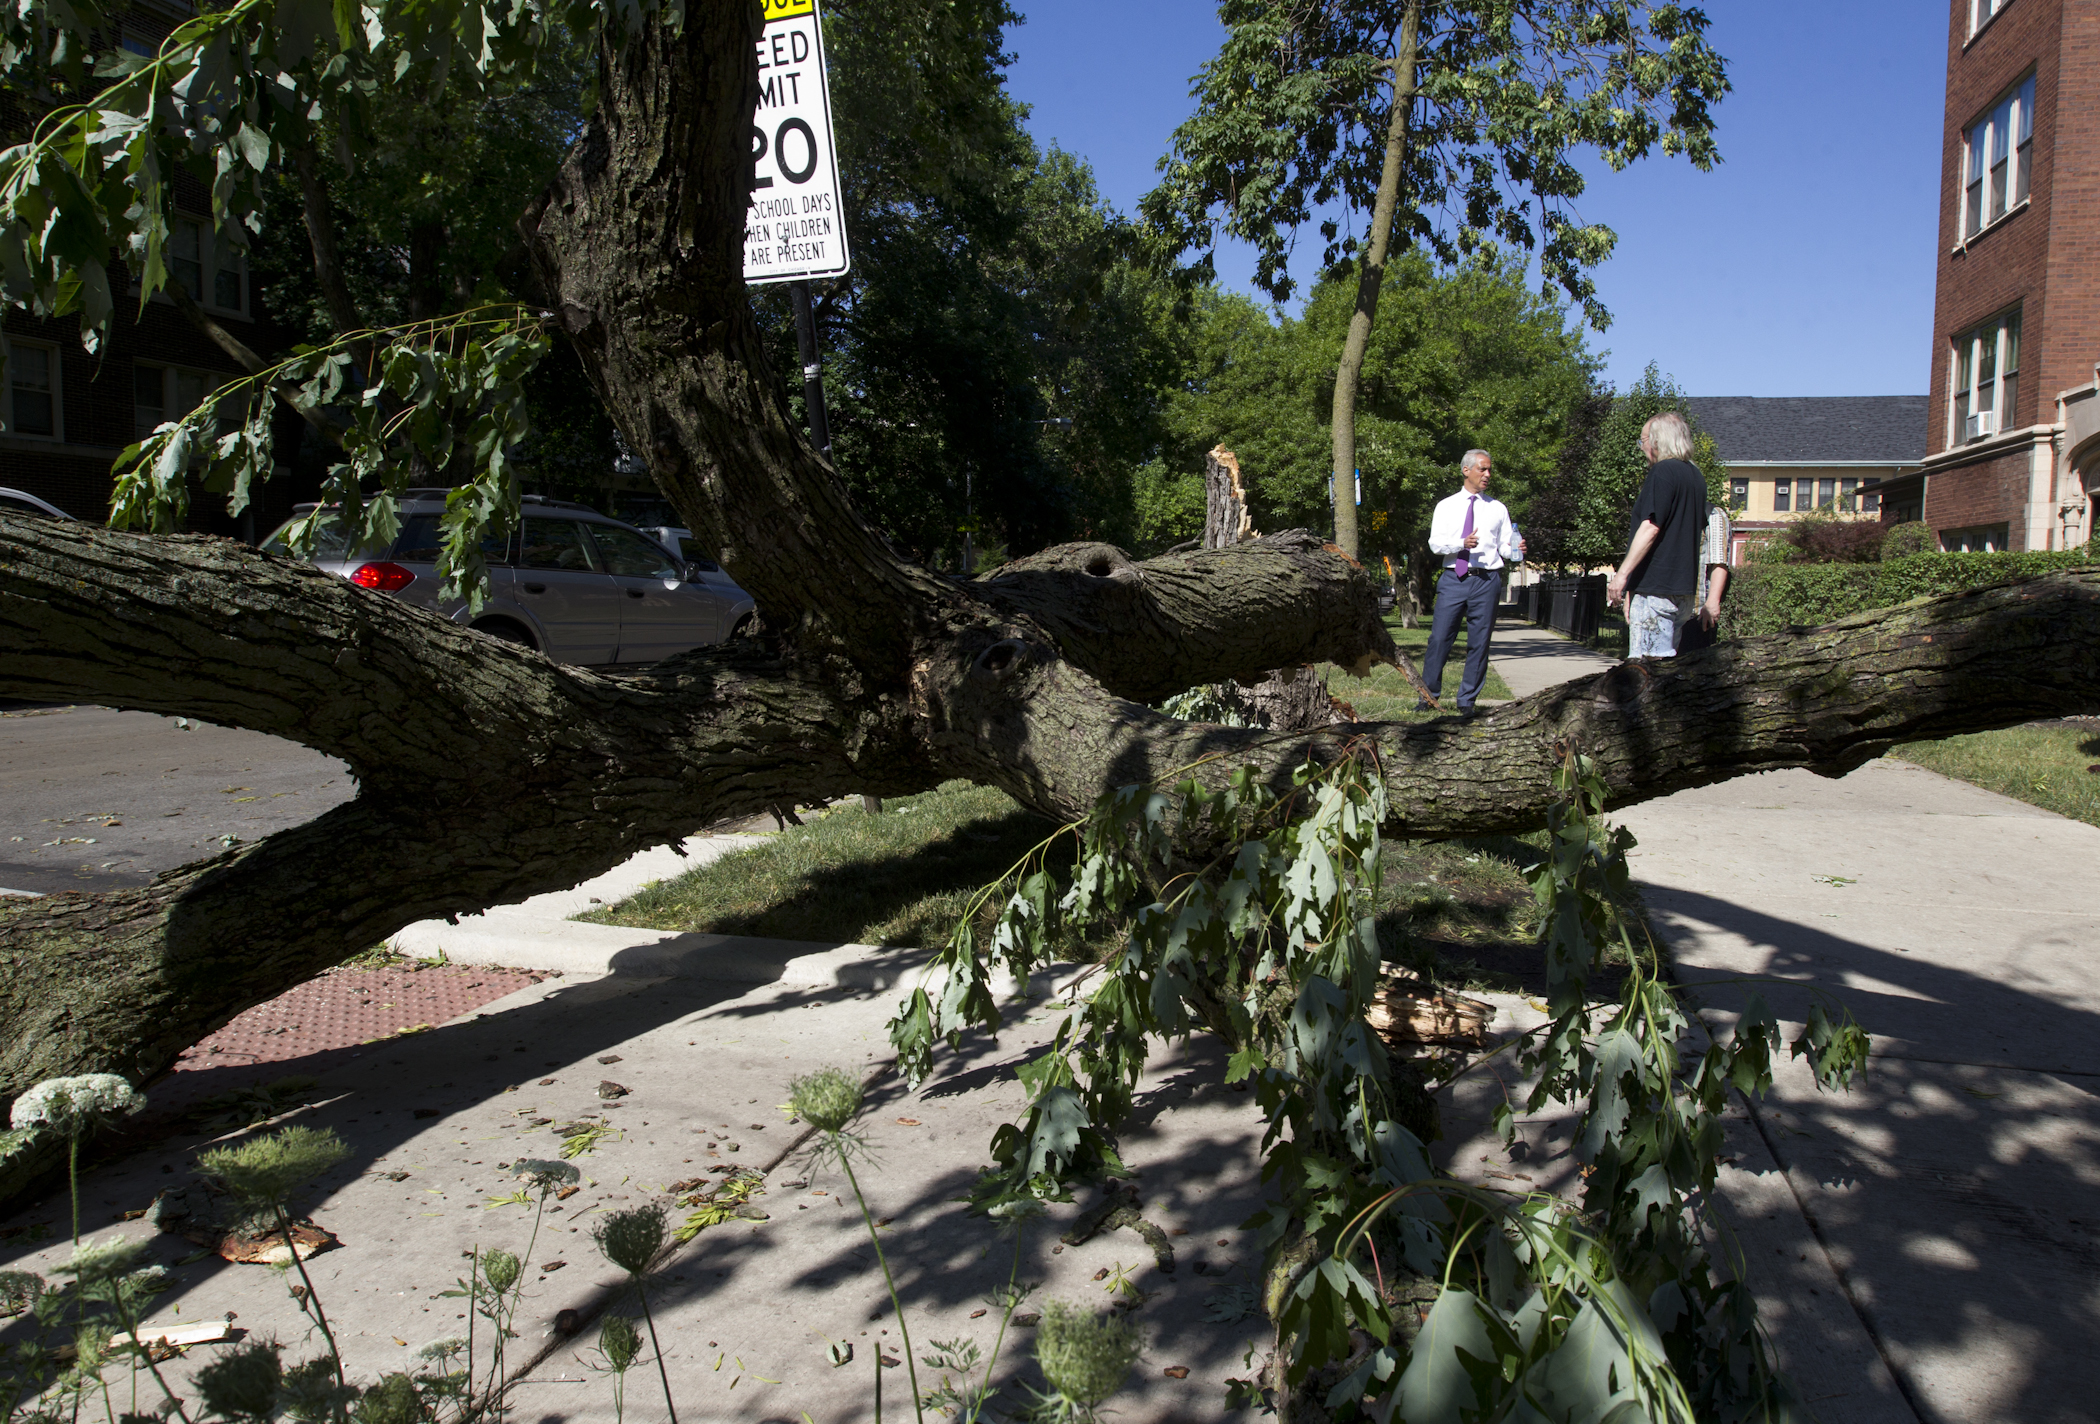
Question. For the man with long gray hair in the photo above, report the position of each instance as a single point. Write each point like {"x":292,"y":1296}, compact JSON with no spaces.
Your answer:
{"x":1658,"y":579}
{"x":1475,"y":538}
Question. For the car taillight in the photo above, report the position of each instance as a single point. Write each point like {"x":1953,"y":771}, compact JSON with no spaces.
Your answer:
{"x":384,"y":577}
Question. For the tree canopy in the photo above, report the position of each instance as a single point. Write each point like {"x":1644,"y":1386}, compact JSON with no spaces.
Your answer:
{"x":1292,"y":119}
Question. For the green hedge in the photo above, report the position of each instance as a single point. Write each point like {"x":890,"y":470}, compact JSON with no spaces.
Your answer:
{"x":1770,"y":598}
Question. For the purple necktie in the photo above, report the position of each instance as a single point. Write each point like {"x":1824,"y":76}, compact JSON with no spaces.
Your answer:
{"x":1465,"y":565}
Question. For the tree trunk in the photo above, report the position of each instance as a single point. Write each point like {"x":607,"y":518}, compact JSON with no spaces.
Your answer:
{"x":487,"y":773}
{"x":1370,"y":278}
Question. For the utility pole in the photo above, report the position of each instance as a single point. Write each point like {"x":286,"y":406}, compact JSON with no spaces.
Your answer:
{"x":819,"y":423}
{"x":812,"y":367}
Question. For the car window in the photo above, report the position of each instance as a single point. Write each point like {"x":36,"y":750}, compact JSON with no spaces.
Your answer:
{"x":697,"y":557}
{"x":554,"y":544}
{"x":331,"y":544}
{"x":628,"y":554}
{"x":423,"y":539}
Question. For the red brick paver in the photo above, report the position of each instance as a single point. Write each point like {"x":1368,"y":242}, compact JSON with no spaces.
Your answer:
{"x":327,"y":1020}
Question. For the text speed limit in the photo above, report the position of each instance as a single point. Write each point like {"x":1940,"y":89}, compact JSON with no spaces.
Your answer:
{"x":794,"y":228}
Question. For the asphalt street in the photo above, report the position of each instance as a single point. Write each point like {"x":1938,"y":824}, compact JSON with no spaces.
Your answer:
{"x":93,"y":799}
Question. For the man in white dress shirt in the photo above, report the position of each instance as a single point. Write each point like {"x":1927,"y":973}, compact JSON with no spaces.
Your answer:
{"x":1475,"y":539}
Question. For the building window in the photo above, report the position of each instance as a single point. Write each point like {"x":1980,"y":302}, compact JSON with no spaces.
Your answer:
{"x":32,"y":390}
{"x":1980,"y":12}
{"x":193,"y":252}
{"x":1996,"y":154}
{"x":1739,"y":493}
{"x":164,"y":393}
{"x":1980,"y":539}
{"x":1782,"y":497}
{"x":1986,"y":371}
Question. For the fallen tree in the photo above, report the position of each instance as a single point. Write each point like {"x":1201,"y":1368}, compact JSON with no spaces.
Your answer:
{"x":487,"y":773}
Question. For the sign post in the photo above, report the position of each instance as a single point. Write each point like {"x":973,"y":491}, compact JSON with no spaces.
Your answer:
{"x":794,"y":229}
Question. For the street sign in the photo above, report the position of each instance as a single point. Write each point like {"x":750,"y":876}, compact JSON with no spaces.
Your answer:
{"x":795,"y":228}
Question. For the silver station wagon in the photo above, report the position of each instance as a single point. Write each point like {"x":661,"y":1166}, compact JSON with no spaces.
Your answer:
{"x":572,"y":583}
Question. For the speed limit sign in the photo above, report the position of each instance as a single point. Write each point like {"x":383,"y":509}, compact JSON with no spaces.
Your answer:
{"x":794,"y":229}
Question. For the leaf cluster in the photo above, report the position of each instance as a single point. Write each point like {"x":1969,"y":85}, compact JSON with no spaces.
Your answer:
{"x":1544,"y":1309}
{"x":238,"y":97}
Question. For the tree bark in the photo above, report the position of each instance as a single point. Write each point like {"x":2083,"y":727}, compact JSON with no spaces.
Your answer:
{"x":487,"y":773}
{"x":1370,"y":278}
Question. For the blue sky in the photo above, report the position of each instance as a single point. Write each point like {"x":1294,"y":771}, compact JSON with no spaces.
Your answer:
{"x":1801,"y":265}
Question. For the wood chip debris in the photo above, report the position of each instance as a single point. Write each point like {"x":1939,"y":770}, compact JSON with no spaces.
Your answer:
{"x":203,"y":1332}
{"x":1405,"y":1011}
{"x":270,"y":1249}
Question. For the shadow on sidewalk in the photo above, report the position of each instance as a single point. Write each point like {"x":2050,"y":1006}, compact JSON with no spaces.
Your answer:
{"x":1954,"y":1185}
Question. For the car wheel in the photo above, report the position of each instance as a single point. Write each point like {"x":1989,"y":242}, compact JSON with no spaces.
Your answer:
{"x":508,"y":631}
{"x":744,"y":627}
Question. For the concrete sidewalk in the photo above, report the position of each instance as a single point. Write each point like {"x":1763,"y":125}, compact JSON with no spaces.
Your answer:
{"x":1534,"y":659}
{"x":1925,"y":1247}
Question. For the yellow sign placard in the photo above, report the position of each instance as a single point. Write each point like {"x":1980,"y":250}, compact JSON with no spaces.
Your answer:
{"x":786,"y":9}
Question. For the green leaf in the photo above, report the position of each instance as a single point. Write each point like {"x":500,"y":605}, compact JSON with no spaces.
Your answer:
{"x":254,"y":145}
{"x":1244,"y":1063}
{"x":1442,"y":1382}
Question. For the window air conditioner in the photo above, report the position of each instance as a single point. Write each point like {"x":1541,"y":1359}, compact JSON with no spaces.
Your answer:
{"x":1977,"y":426}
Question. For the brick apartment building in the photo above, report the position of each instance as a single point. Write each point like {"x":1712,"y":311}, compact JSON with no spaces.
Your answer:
{"x":2012,"y":434}
{"x":69,"y":414}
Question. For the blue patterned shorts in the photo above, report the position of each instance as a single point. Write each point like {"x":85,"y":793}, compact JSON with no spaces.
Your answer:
{"x":1652,"y":621}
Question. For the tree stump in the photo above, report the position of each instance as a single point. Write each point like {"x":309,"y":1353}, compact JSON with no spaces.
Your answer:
{"x":1288,"y":699}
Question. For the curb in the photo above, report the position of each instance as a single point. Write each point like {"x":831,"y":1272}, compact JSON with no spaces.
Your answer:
{"x":537,"y":934}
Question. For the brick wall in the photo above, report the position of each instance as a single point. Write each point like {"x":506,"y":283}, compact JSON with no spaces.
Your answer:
{"x":2009,"y":262}
{"x":2074,"y":219}
{"x":2043,"y":259}
{"x":1988,"y":492}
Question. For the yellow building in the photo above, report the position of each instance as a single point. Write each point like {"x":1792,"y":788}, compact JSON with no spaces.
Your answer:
{"x":1790,"y":455}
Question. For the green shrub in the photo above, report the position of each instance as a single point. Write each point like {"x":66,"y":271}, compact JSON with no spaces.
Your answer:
{"x":1824,"y":537}
{"x":1770,"y":598}
{"x":1913,"y":536}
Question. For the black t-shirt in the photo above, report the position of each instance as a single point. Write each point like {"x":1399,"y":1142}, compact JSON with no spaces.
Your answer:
{"x":1673,"y":498}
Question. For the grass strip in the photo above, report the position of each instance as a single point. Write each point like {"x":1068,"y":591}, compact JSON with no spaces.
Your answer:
{"x":2053,"y":765}
{"x":1385,"y":694}
{"x":900,"y":878}
{"x":1457,"y":911}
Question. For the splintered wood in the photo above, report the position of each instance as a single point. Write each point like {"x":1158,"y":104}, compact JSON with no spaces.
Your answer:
{"x":1404,"y":1014}
{"x":1226,"y":518}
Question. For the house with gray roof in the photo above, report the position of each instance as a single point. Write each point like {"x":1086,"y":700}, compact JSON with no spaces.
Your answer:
{"x":1789,"y":455}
